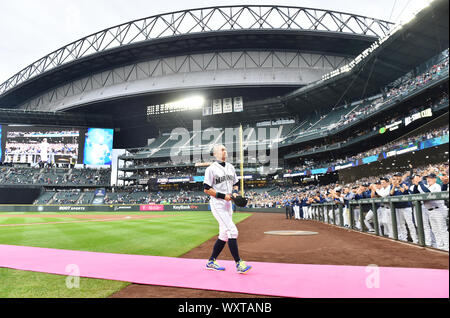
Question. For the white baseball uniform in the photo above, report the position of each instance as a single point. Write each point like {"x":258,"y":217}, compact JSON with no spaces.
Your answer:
{"x":385,"y":213}
{"x":429,"y":236}
{"x":437,"y":215}
{"x":297,"y":212}
{"x":222,"y":179}
{"x":44,"y":151}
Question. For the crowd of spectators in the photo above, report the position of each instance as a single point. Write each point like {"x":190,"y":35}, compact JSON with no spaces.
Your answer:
{"x":407,"y":85}
{"x":138,"y":196}
{"x":91,"y":177}
{"x":19,"y":176}
{"x":375,"y":127}
{"x":54,"y":176}
{"x":402,"y":142}
{"x":282,"y":194}
{"x":66,"y":197}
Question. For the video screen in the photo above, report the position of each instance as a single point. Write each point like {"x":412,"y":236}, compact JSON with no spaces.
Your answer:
{"x":98,"y":146}
{"x":41,"y":145}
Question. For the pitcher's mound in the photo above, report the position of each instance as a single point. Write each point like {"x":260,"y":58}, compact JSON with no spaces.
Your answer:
{"x":291,"y":233}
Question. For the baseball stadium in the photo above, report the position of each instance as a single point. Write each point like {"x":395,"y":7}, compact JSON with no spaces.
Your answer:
{"x":244,"y":151}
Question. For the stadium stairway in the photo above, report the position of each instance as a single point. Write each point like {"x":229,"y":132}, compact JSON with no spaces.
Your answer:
{"x":80,"y":199}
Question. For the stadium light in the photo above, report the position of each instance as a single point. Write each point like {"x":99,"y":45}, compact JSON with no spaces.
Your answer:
{"x":189,"y":103}
{"x":408,"y":18}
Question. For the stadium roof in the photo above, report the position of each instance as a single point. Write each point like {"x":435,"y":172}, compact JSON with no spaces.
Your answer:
{"x":18,"y":116}
{"x":425,"y":36}
{"x":196,"y":31}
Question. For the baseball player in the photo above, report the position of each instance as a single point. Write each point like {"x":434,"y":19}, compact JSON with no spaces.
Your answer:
{"x":99,"y":149}
{"x":384,"y":210}
{"x":318,"y":199}
{"x":356,"y":211}
{"x":361,"y":193}
{"x":305,"y":206}
{"x":404,"y":210}
{"x":336,"y":196}
{"x":221,"y":183}
{"x":437,"y":211}
{"x":418,"y":186}
{"x":296,"y":208}
{"x":348,"y":196}
{"x":329,"y":198}
{"x":369,"y":216}
{"x":309,"y":208}
{"x":287,"y":204}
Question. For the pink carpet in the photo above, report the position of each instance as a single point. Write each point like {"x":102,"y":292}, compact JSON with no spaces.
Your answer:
{"x":288,"y":280}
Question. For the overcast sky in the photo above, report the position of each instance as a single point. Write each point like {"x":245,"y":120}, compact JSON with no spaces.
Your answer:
{"x":30,"y":29}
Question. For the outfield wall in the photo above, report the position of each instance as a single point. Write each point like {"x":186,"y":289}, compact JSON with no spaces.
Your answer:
{"x":121,"y":208}
{"x":18,"y":194}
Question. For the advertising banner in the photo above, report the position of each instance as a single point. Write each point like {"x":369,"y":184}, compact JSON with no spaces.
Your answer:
{"x":344,"y":166}
{"x":370,"y":159}
{"x":294,"y":174}
{"x":424,"y":113}
{"x":319,"y":171}
{"x":151,"y":207}
{"x":434,"y":142}
{"x":105,"y":208}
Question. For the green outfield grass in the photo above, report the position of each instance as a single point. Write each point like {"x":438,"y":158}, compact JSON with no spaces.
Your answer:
{"x":172,"y":236}
{"x":24,"y":220}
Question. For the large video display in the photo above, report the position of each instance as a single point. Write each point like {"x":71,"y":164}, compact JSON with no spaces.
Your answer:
{"x":40,"y":144}
{"x":98,"y":146}
{"x":48,"y":145}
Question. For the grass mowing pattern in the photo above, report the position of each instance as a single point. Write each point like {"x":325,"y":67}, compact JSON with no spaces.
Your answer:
{"x":24,"y":220}
{"x":169,"y":236}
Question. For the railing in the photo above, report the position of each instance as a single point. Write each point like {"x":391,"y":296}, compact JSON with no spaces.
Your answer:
{"x":357,"y":218}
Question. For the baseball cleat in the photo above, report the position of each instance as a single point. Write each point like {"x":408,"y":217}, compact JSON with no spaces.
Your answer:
{"x":212,"y":265}
{"x":242,"y":268}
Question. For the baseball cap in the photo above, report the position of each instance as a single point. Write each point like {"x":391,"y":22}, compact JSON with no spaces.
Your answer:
{"x":385,"y":179}
{"x":338,"y":189}
{"x":431,"y":175}
{"x":398,"y":174}
{"x":366,"y":185}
